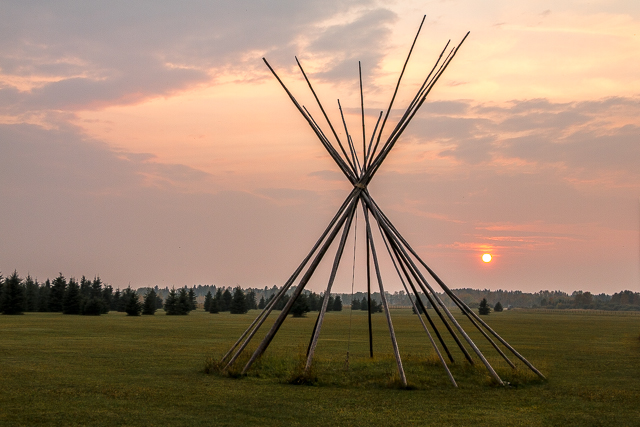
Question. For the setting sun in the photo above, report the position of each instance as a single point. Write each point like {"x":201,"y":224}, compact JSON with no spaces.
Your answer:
{"x":486,"y":257}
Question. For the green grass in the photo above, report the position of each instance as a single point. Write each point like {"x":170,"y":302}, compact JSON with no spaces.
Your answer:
{"x":118,"y":370}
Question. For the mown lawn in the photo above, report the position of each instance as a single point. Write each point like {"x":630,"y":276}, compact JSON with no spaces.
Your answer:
{"x":118,"y":370}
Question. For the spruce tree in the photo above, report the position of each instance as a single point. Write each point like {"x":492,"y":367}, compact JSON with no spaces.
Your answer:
{"x":301,"y":306}
{"x":238,"y":303}
{"x":107,"y":297}
{"x":184,"y":303}
{"x":355,"y":304}
{"x":214,"y":307}
{"x":226,"y":300}
{"x":132,"y":306}
{"x":498,"y":307}
{"x":484,"y":308}
{"x":314,"y":301}
{"x":85,"y":288}
{"x":31,"y":294}
{"x":71,"y":300}
{"x":262,"y":304}
{"x":93,"y":307}
{"x":43,"y":296}
{"x":284,"y":299}
{"x":122,"y":302}
{"x":251,"y":301}
{"x":337,"y":303}
{"x":149,"y":306}
{"x":192,"y":299}
{"x":330,"y":303}
{"x":159,"y":303}
{"x":364,"y":304}
{"x":58,"y":287}
{"x":12,"y":298}
{"x":217,"y":300}
{"x":207,"y":301}
{"x":171,"y":303}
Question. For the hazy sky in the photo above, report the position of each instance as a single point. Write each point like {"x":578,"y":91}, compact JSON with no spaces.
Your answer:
{"x":147,"y":142}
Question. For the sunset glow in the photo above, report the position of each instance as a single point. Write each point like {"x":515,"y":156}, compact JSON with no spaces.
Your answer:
{"x":163,"y":138}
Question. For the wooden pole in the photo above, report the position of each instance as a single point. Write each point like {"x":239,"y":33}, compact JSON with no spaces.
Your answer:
{"x":392,"y":333}
{"x":332,"y":152}
{"x":421,"y":304}
{"x":352,"y":149}
{"x":364,"y":137}
{"x":369,"y":290}
{"x":433,"y":298}
{"x":416,"y":309}
{"x":462,"y":332}
{"x":375,"y":129}
{"x":327,"y":294}
{"x":303,"y":282}
{"x":267,"y":310}
{"x":454,"y":297}
{"x":392,"y":140}
{"x":395,"y":92}
{"x":324,"y":114}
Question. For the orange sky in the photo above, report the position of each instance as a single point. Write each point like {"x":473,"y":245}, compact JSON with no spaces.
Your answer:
{"x":161,"y":135}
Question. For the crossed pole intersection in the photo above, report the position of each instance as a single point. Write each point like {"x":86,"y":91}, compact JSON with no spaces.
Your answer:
{"x":359,"y":174}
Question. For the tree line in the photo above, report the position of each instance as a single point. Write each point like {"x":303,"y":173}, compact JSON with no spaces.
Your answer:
{"x":93,"y":297}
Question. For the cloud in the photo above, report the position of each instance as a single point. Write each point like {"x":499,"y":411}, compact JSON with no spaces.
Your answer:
{"x":582,"y":138}
{"x":72,"y":204}
{"x":71,"y":56}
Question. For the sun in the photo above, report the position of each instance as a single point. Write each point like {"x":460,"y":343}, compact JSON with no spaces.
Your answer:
{"x":486,"y":257}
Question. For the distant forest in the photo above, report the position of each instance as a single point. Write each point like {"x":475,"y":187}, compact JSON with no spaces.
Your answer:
{"x":93,"y":297}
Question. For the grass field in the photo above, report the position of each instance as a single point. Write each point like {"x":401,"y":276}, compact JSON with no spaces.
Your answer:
{"x":118,"y":370}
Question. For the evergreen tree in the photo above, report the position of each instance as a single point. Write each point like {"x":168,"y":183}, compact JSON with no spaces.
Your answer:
{"x":214,"y":307}
{"x":331,"y":303}
{"x":364,"y":304}
{"x":96,"y":287}
{"x":57,"y":293}
{"x":149,"y":306}
{"x":43,"y":296}
{"x":498,"y":307}
{"x":284,"y":299}
{"x":107,"y":298}
{"x":238,"y":303}
{"x":251,"y":301}
{"x":31,"y":294}
{"x":262,"y":304}
{"x":12,"y":298}
{"x":132,"y":306}
{"x":115,"y":301}
{"x":226,"y":300}
{"x":159,"y":303}
{"x":355,"y":304}
{"x":301,"y":306}
{"x":484,"y":308}
{"x":85,"y":288}
{"x":314,"y":301}
{"x":376,"y":307}
{"x":184,"y":302}
{"x":171,"y":303}
{"x":217,"y":300}
{"x":71,"y":300}
{"x":193,"y":303}
{"x":93,"y":307}
{"x":337,"y":303}
{"x":207,"y":301}
{"x":122,"y":301}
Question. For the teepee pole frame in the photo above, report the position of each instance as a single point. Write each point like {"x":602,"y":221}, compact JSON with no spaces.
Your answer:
{"x":359,"y":169}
